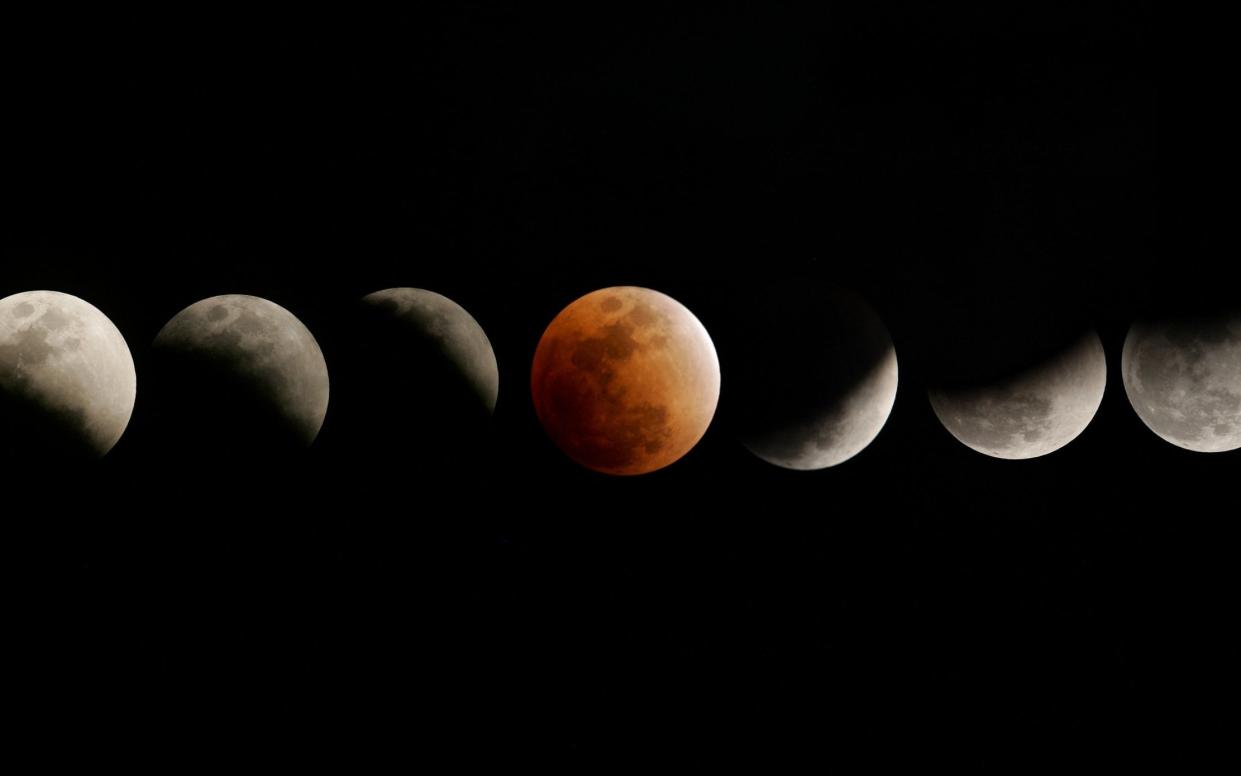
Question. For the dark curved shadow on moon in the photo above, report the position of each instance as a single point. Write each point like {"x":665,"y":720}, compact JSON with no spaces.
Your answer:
{"x":402,"y":398}
{"x":992,"y":365}
{"x":36,"y":433}
{"x":1014,"y":374}
{"x":425,"y":332}
{"x":236,"y":378}
{"x":806,"y":352}
{"x":207,"y":406}
{"x":975,"y":353}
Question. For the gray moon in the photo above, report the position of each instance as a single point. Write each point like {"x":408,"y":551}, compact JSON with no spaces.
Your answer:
{"x":1032,"y":413}
{"x":450,"y":331}
{"x":1183,"y":379}
{"x":819,"y":377}
{"x":67,"y":378}
{"x":237,"y":344}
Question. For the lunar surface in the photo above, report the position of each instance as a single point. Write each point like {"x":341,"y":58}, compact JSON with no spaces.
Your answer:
{"x":67,"y":380}
{"x":817,"y":377}
{"x":1183,"y":378}
{"x":439,"y":335}
{"x":242,"y":370}
{"x":625,"y":380}
{"x":1032,"y":413}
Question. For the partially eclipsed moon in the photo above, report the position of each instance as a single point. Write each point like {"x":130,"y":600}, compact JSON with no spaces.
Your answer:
{"x":817,"y":379}
{"x":244,"y":371}
{"x":67,"y":379}
{"x":1032,"y":413}
{"x":441,"y":334}
{"x":625,"y":380}
{"x":1183,"y":378}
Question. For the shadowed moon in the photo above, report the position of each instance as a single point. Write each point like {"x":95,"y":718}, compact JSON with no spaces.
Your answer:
{"x":625,"y":380}
{"x":240,"y":373}
{"x":1032,"y":412}
{"x":67,"y":379}
{"x":437,"y":333}
{"x":1183,"y":378}
{"x":415,"y":367}
{"x":818,"y":376}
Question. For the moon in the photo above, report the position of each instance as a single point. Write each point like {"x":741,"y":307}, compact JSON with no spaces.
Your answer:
{"x":440,"y":335}
{"x":1031,"y":413}
{"x":241,"y":371}
{"x":418,"y":368}
{"x":625,"y":380}
{"x":1183,"y":378}
{"x":817,"y":379}
{"x":67,"y":379}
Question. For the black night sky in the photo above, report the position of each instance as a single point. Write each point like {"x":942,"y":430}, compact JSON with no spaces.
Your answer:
{"x":918,"y":604}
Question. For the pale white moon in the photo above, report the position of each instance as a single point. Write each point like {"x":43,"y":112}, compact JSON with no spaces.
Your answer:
{"x":66,"y":374}
{"x":1183,"y":379}
{"x":1033,"y":413}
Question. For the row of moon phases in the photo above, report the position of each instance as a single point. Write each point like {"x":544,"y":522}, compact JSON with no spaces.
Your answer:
{"x":625,"y":380}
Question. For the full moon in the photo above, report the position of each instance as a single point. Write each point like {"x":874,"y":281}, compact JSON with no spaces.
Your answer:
{"x":625,"y":380}
{"x":1033,"y":412}
{"x":67,"y":379}
{"x":1183,"y":378}
{"x":817,"y":379}
{"x":242,"y":371}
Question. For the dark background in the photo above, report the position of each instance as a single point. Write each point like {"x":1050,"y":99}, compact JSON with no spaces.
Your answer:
{"x":920,"y":603}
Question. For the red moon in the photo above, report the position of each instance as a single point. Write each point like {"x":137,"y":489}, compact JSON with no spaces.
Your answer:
{"x":625,"y":380}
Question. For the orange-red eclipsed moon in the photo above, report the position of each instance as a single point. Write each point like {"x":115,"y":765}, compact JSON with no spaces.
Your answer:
{"x":625,"y":380}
